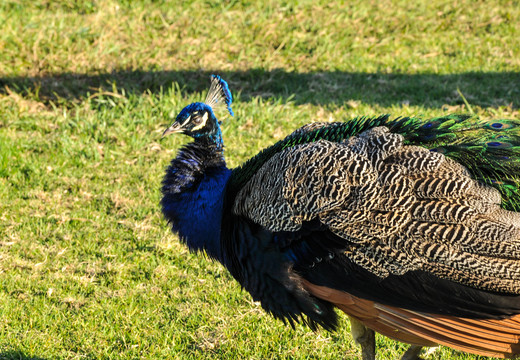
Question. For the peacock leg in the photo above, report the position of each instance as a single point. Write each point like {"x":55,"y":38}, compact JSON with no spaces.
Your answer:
{"x":412,"y":353}
{"x":365,"y":337}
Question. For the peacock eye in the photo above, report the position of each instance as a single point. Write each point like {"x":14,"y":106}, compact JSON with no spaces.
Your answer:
{"x":197,"y":120}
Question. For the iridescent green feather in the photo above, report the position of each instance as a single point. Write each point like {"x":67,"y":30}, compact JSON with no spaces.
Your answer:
{"x":489,"y":149}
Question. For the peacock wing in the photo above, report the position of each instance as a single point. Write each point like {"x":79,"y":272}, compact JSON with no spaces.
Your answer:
{"x":413,"y":221}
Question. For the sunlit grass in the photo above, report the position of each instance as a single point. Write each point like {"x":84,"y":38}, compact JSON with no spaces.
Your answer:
{"x":88,"y":268}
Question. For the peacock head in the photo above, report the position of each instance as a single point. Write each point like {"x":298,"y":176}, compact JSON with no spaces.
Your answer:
{"x":198,"y":119}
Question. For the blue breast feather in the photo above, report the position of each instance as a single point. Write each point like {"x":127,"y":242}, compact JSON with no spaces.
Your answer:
{"x":197,"y":213}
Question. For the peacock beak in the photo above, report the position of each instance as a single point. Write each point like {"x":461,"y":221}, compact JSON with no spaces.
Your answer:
{"x":175,"y":128}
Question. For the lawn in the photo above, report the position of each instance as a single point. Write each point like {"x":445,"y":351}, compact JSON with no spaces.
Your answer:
{"x":88,"y":267}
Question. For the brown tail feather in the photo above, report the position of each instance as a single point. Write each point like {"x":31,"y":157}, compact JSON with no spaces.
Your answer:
{"x":487,"y":337}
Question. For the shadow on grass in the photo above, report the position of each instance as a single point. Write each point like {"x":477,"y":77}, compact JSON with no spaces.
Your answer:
{"x":323,"y":88}
{"x":18,"y":355}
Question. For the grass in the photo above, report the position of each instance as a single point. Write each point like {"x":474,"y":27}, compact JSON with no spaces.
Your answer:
{"x":88,"y":268}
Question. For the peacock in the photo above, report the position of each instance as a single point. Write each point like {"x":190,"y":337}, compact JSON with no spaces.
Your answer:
{"x":410,"y":226}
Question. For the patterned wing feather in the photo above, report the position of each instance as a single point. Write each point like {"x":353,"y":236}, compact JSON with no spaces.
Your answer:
{"x":489,"y":150}
{"x":398,"y":207}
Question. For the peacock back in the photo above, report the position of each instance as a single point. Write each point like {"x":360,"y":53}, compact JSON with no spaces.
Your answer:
{"x":490,"y":150}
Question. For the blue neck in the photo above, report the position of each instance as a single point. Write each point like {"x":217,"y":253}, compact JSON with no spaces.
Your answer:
{"x":214,"y":138}
{"x":193,"y":195}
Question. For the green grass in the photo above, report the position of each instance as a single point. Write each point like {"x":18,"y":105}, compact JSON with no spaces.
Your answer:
{"x":88,"y":268}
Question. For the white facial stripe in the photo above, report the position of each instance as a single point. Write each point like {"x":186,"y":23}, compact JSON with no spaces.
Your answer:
{"x":201,"y":125}
{"x":186,"y":121}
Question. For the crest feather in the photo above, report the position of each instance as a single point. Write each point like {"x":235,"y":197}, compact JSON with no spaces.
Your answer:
{"x":219,"y":94}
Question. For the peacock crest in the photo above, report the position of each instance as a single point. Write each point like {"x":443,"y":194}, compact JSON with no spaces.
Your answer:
{"x":219,"y":94}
